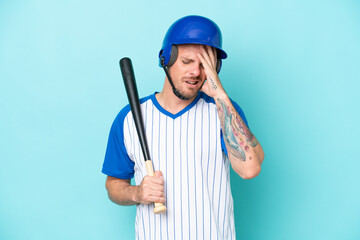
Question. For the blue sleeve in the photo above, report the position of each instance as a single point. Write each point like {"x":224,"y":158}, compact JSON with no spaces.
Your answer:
{"x":242,"y":115}
{"x":117,"y":162}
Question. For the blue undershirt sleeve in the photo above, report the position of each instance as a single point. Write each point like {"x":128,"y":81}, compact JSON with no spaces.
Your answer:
{"x":117,"y":162}
{"x":242,"y":115}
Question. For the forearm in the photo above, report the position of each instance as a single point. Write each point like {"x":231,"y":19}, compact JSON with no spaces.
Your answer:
{"x":121,"y":192}
{"x":150,"y":190}
{"x":244,"y":151}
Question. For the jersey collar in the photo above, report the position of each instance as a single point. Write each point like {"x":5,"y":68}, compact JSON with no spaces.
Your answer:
{"x":174,"y":116}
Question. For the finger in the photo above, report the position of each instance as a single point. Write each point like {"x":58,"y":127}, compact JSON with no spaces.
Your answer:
{"x":155,"y":196}
{"x":207,"y":55}
{"x":157,"y":187}
{"x":154,"y":180}
{"x":160,"y":175}
{"x":203,"y":61}
{"x":152,"y":190}
{"x":215,"y":56}
{"x":212,"y":54}
{"x":156,"y":199}
{"x":155,"y":193}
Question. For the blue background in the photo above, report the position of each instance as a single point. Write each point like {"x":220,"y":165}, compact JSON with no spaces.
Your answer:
{"x":293,"y":67}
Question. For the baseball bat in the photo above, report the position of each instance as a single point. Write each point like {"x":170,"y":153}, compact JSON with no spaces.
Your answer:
{"x":128,"y":75}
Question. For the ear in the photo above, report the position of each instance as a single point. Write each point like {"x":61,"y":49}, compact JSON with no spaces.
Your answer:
{"x":173,"y":55}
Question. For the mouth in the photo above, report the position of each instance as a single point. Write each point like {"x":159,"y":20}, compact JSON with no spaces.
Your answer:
{"x":192,"y":83}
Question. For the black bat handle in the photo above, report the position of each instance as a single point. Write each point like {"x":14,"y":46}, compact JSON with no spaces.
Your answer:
{"x":127,"y":72}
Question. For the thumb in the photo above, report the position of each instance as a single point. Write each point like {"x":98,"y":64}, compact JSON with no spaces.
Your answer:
{"x":202,"y":86}
{"x":158,"y":173}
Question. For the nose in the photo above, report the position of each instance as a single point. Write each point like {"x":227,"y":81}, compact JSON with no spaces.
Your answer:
{"x":195,"y":69}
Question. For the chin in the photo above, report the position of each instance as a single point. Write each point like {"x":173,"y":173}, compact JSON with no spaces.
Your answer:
{"x":190,"y":95}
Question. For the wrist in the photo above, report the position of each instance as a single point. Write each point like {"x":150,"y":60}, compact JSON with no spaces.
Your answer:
{"x":220,"y":93}
{"x":135,"y":196}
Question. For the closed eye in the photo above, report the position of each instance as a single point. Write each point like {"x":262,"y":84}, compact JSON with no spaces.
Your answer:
{"x":186,"y":60}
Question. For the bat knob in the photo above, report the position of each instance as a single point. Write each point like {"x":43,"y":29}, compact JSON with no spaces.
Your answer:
{"x":159,"y":208}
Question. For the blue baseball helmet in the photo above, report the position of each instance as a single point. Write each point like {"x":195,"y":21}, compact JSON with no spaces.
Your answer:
{"x":191,"y":30}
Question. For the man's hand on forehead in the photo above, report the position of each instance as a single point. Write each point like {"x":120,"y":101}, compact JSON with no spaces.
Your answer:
{"x":208,"y":58}
{"x":210,"y":55}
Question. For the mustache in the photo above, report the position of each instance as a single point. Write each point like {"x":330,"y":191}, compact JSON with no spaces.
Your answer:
{"x":192,"y":78}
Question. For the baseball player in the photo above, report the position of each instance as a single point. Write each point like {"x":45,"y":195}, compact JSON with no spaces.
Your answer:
{"x":195,"y":134}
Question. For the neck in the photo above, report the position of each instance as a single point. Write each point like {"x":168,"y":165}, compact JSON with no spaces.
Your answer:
{"x":169,"y":101}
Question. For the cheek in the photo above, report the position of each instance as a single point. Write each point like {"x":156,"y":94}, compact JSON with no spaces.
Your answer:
{"x":203,"y":75}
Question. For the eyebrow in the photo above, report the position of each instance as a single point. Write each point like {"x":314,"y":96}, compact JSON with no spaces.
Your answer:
{"x":187,"y":59}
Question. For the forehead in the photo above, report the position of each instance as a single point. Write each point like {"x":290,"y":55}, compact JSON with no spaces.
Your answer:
{"x":189,"y":49}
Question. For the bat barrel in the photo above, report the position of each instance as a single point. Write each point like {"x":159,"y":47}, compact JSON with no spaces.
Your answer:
{"x":127,"y":72}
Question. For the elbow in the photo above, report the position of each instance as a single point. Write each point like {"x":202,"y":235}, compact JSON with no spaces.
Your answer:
{"x":261,"y":157}
{"x":107,"y":184}
{"x":108,"y":189}
{"x":110,"y":185}
{"x":251,"y":173}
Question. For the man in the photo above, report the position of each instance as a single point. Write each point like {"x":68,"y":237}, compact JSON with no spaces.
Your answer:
{"x":194,"y":132}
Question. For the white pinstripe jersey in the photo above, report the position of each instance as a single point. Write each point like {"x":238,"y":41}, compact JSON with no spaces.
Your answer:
{"x":189,"y":150}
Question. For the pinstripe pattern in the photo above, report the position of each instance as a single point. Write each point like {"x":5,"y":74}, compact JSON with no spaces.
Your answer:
{"x":186,"y":147}
{"x":195,"y":180}
{"x":181,"y":179}
{"x":187,"y":174}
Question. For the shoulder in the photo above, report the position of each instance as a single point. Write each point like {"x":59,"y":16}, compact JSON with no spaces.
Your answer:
{"x":126,"y":110}
{"x":206,"y":98}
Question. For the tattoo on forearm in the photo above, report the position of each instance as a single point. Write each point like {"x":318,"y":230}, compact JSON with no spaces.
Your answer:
{"x":243,"y":129}
{"x":228,"y":133}
{"x":213,"y":85}
{"x":236,"y":133}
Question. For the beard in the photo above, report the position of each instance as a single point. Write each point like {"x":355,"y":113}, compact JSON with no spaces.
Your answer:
{"x":187,"y":92}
